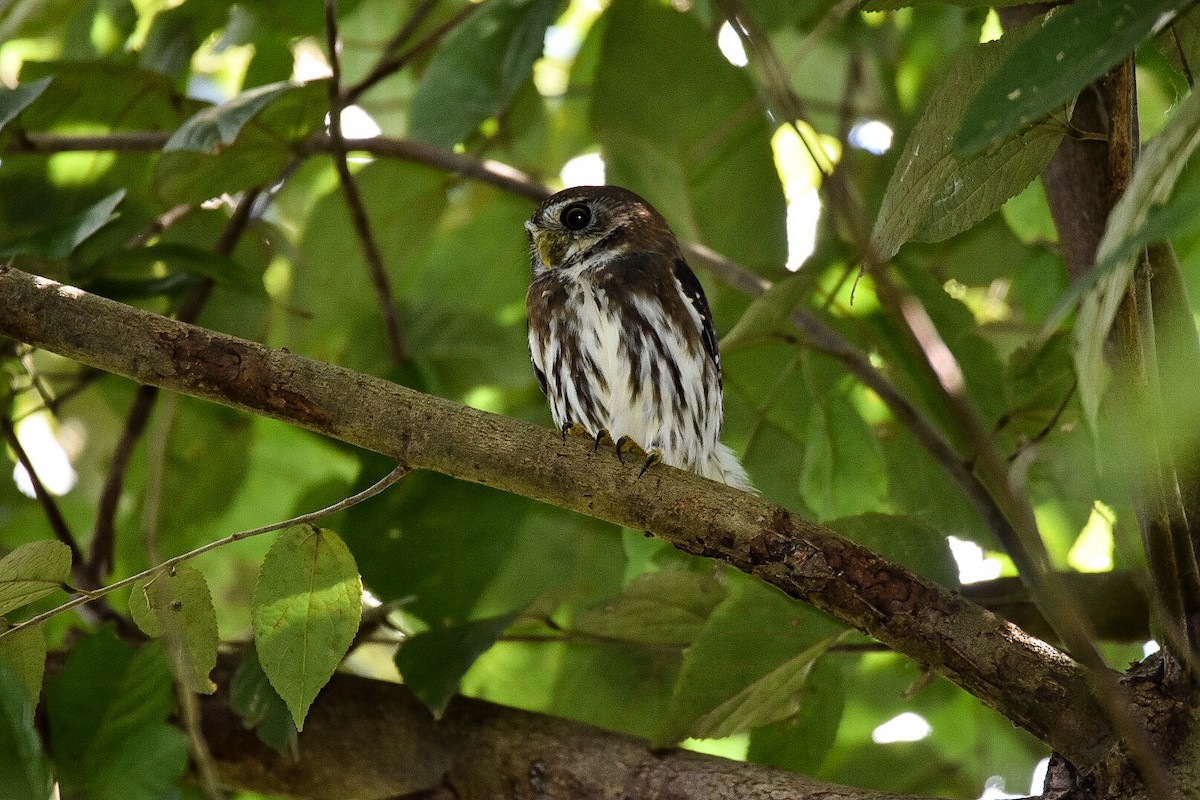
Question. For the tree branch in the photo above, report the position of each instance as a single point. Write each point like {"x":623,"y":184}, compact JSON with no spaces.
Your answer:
{"x":368,"y":739}
{"x":1025,"y":679}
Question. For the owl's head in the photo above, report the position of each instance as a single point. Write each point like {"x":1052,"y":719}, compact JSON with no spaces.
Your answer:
{"x":587,"y":226}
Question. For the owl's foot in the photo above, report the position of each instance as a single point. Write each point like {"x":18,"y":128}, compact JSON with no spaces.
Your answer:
{"x":652,"y":458}
{"x":603,"y":437}
{"x":574,"y":429}
{"x":626,"y":444}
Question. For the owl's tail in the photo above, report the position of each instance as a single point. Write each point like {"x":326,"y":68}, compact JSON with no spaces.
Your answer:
{"x":724,"y":466}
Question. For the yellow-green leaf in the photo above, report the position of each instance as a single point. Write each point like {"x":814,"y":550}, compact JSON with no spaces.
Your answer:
{"x":179,"y":604}
{"x":935,"y":192}
{"x":306,"y":610}
{"x":32,"y":571}
{"x":24,"y":653}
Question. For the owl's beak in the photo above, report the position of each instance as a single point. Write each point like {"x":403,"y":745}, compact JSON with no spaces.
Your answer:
{"x":550,"y":247}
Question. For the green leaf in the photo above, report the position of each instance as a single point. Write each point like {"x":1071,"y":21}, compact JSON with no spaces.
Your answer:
{"x":668,"y":606}
{"x":934,"y":192}
{"x":683,"y":127}
{"x":61,"y":239}
{"x":253,"y":697}
{"x":770,"y":310}
{"x":479,"y":68}
{"x":15,"y":100}
{"x":112,"y":94}
{"x":801,"y":742}
{"x":844,"y":470}
{"x":1151,"y":185}
{"x":24,"y":654}
{"x":177,"y":603}
{"x":434,"y":662}
{"x":32,"y":571}
{"x":749,"y":666}
{"x":243,"y":143}
{"x":306,"y":610}
{"x":146,"y":766}
{"x":220,"y":125}
{"x":906,"y":540}
{"x":182,"y":258}
{"x":103,"y":703}
{"x":1076,"y":44}
{"x":460,"y":551}
{"x":24,"y":770}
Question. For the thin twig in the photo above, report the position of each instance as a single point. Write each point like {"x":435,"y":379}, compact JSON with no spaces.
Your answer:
{"x":391,"y":64}
{"x":89,"y":597}
{"x":495,"y":173}
{"x":100,"y":552}
{"x":410,"y":26}
{"x":382,"y":284}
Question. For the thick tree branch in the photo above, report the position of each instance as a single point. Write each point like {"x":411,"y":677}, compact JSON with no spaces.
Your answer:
{"x":1025,"y":679}
{"x":368,"y":739}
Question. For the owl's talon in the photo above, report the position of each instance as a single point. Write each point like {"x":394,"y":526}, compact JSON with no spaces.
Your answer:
{"x":603,"y":437}
{"x":655,"y":457}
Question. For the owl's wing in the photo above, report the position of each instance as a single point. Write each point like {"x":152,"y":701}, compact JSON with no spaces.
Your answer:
{"x":694,"y":292}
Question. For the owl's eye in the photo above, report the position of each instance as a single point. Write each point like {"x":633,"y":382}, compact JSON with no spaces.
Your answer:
{"x":575,"y":217}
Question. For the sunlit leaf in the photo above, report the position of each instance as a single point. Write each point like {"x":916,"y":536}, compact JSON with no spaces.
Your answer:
{"x":1076,"y":44}
{"x":177,"y":604}
{"x":32,"y":571}
{"x":306,"y":609}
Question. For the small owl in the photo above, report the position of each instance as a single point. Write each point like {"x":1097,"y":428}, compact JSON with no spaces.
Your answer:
{"x":621,"y":335}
